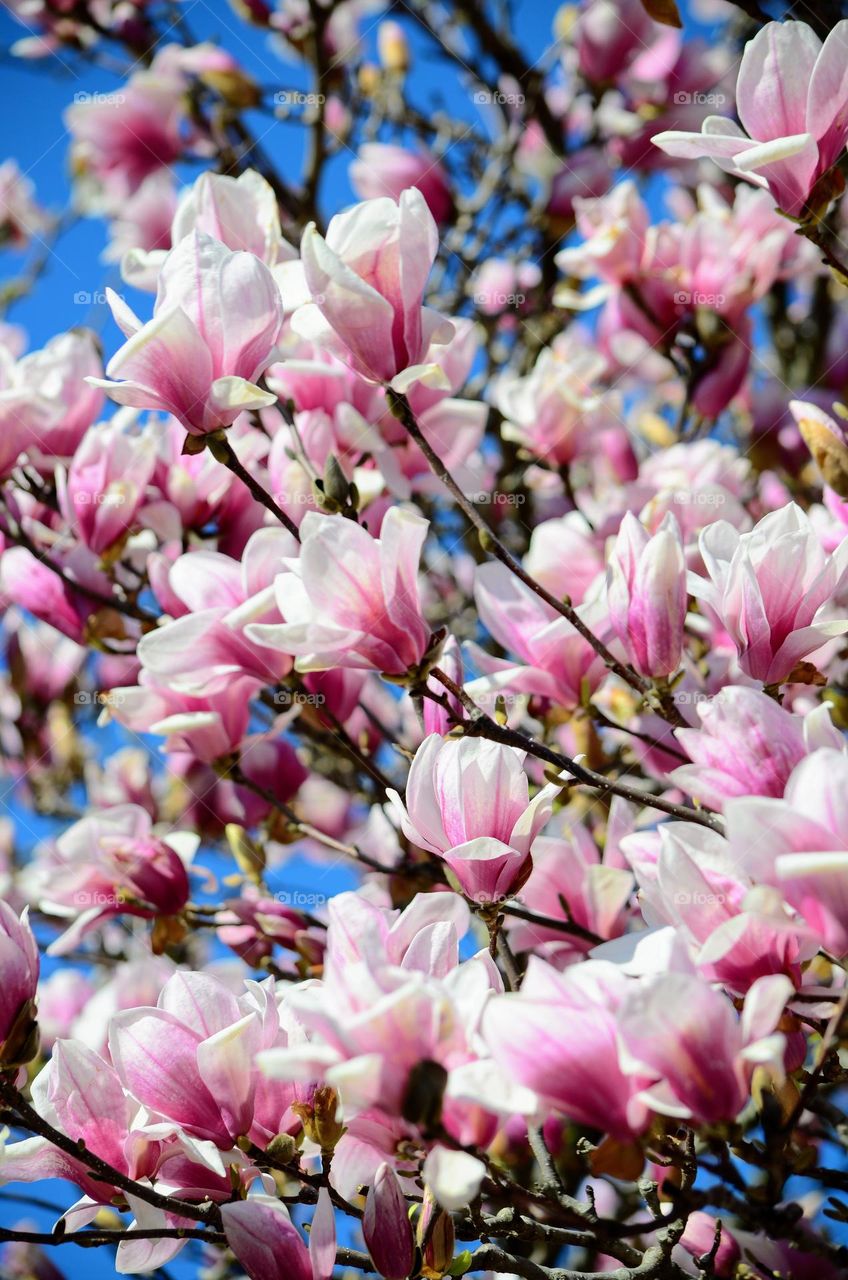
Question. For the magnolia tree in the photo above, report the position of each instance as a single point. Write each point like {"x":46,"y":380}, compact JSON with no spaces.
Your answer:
{"x":433,"y":678}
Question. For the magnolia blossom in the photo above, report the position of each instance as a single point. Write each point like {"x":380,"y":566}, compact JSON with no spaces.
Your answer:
{"x":748,"y":745}
{"x":242,"y":213}
{"x":772,"y":590}
{"x":106,"y":482}
{"x":21,"y":218}
{"x":265,"y":1241}
{"x":122,"y":138}
{"x":469,"y":801}
{"x":674,"y":1021}
{"x":214,"y":330}
{"x":367,"y":282}
{"x":799,"y":843}
{"x":792,"y":99}
{"x":559,"y":1038}
{"x":386,"y":1226}
{"x":190,"y":1059}
{"x":19,"y":955}
{"x":381,"y":169}
{"x":647,"y":595}
{"x":112,"y":862}
{"x":351,"y":600}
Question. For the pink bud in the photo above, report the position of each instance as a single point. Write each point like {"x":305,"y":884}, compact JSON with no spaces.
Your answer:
{"x":647,"y":595}
{"x":19,"y":966}
{"x":386,"y":1226}
{"x":265,"y":1241}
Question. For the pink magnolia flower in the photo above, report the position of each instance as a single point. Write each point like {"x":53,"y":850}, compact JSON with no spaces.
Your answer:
{"x":670,"y":1023}
{"x":386,"y":1226}
{"x":112,"y":863}
{"x":393,"y":994}
{"x":61,"y":999}
{"x":565,"y":556}
{"x":21,"y":218}
{"x":107,"y":482}
{"x":141,"y":226}
{"x":570,"y":875}
{"x":646,"y":594}
{"x":63,"y":1092}
{"x":242,"y":213}
{"x":487,"y":870}
{"x":792,"y":99}
{"x":732,"y":930}
{"x":367,"y":282}
{"x":500,"y":285}
{"x":190,"y":1059}
{"x":469,"y":800}
{"x":214,"y":330}
{"x":382,"y":169}
{"x":799,"y":844}
{"x":204,"y":727}
{"x":207,"y":647}
{"x":554,"y":661}
{"x":82,"y":1096}
{"x":351,"y":600}
{"x":121,"y":138}
{"x":19,"y":965}
{"x":772,"y":590}
{"x":58,"y":401}
{"x":610,"y":34}
{"x":748,"y":745}
{"x":559,"y":1037}
{"x":553,"y":410}
{"x":264,"y":1239}
{"x":32,"y":585}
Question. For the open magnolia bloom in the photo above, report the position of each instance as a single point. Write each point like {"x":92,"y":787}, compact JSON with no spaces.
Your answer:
{"x":791,"y":98}
{"x":214,"y":330}
{"x":424,"y":697}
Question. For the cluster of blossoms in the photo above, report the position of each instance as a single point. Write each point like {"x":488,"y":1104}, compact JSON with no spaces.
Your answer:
{"x":431,"y":681}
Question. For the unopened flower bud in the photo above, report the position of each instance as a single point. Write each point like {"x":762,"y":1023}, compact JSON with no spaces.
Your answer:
{"x":386,"y":1226}
{"x":827,"y":441}
{"x":436,"y":1238}
{"x":392,"y":47}
{"x":19,"y":964}
{"x":320,"y":1118}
